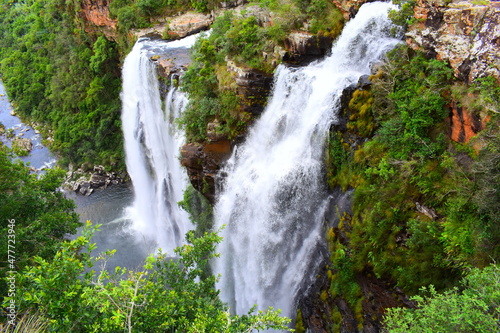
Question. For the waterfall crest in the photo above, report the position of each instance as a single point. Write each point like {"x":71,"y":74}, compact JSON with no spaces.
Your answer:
{"x":274,"y":200}
{"x":152,"y":144}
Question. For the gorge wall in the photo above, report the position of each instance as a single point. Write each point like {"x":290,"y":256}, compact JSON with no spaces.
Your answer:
{"x":465,"y":35}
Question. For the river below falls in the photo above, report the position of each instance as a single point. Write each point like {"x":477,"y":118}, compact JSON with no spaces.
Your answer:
{"x":106,"y":207}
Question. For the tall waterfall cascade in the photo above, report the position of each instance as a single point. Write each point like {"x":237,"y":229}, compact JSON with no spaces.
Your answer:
{"x":274,"y":199}
{"x":152,"y":144}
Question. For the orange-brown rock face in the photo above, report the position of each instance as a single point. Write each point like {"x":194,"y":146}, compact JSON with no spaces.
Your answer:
{"x":96,"y":15}
{"x":465,"y":34}
{"x":464,"y":124}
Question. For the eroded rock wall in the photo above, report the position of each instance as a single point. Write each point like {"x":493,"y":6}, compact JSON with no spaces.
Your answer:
{"x":463,"y":33}
{"x":95,"y":14}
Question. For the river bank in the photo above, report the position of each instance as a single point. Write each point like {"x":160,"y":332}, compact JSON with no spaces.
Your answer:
{"x":39,"y":157}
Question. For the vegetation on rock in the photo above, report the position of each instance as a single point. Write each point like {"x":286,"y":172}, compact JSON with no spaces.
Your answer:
{"x":244,"y":39}
{"x":419,"y":216}
{"x":475,"y":308}
{"x":425,"y":209}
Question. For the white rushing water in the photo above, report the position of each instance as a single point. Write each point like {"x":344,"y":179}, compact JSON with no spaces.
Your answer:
{"x":152,"y":144}
{"x":274,"y":200}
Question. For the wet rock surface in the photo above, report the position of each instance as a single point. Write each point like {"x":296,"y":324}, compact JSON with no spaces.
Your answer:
{"x":85,"y":182}
{"x":203,"y":162}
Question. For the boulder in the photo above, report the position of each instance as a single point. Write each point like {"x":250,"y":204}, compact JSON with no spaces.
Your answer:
{"x":203,"y":162}
{"x":97,"y":180}
{"x":87,"y":182}
{"x":22,"y":144}
{"x":189,"y":24}
{"x":303,"y":47}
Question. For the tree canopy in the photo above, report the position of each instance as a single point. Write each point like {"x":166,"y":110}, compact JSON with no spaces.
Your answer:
{"x":169,"y":294}
{"x":36,"y":211}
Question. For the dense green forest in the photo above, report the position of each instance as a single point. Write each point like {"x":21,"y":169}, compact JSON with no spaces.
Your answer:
{"x":425,"y":208}
{"x":62,"y":78}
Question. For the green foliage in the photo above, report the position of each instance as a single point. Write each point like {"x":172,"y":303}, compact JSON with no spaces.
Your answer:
{"x":58,"y":75}
{"x":487,"y":93}
{"x":486,"y":173}
{"x":361,"y":116}
{"x":244,"y":41}
{"x":212,"y":96}
{"x":166,"y":295}
{"x":337,"y":161}
{"x":423,"y":208}
{"x":42,"y":215}
{"x":404,"y":15}
{"x":322,"y":16}
{"x":199,"y":209}
{"x":18,"y":147}
{"x":325,"y":18}
{"x":299,"y":323}
{"x":475,"y":309}
{"x":417,"y":96}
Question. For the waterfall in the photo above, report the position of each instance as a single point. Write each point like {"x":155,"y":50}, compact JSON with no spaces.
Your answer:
{"x":152,"y":145}
{"x":273,"y":200}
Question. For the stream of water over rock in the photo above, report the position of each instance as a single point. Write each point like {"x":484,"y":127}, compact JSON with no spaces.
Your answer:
{"x":152,"y":144}
{"x":274,"y":197}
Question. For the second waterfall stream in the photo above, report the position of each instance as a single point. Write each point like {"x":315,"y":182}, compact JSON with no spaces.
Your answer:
{"x":152,"y":144}
{"x":274,"y":197}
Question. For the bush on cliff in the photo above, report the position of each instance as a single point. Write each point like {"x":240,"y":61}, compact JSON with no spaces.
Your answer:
{"x":34,"y":215}
{"x":474,"y":308}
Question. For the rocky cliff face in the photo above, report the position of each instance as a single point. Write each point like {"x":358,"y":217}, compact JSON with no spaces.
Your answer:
{"x":303,"y":47}
{"x":203,"y":162}
{"x":468,"y":37}
{"x":349,"y":8}
{"x":465,"y":34}
{"x":178,"y":27}
{"x":95,"y":14}
{"x":464,"y":124}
